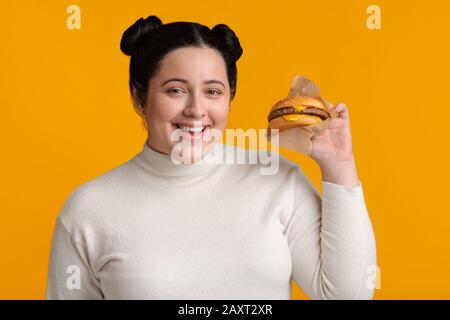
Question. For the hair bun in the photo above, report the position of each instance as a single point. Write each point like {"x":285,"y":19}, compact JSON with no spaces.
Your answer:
{"x":133,"y":36}
{"x":229,"y":39}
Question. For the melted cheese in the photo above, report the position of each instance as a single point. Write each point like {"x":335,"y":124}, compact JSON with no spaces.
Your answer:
{"x":300,"y":107}
{"x":295,"y":117}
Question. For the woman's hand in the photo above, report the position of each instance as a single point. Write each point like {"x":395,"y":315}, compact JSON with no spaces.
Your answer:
{"x":333,"y":152}
{"x":330,"y":145}
{"x":333,"y":144}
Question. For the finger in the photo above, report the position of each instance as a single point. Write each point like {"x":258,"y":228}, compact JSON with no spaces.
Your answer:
{"x":297,"y":139}
{"x":329,"y":104}
{"x":320,"y":127}
{"x":336,"y":123}
{"x":331,"y":108}
{"x":342,"y":110}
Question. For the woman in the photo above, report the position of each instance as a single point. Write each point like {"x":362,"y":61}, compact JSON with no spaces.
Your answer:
{"x":152,"y":228}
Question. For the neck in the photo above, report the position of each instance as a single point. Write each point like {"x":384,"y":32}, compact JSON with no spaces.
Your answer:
{"x":162,"y":164}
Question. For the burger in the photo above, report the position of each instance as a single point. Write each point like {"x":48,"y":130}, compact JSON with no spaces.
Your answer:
{"x":297,"y":111}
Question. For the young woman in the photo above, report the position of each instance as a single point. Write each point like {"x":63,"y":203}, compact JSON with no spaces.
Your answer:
{"x":152,"y":228}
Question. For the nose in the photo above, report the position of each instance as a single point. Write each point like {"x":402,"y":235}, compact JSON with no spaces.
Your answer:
{"x":195,"y":108}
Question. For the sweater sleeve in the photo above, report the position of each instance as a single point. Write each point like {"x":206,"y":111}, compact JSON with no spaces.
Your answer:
{"x":69,"y":274}
{"x":331,"y":240}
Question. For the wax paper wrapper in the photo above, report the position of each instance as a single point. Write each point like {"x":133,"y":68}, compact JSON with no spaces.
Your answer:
{"x":299,"y":138}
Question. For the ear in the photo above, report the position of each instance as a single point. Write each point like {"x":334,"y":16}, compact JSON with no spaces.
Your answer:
{"x":136,"y":100}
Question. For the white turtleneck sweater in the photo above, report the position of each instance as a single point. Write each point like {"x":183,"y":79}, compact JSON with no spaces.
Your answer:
{"x":153,"y":229}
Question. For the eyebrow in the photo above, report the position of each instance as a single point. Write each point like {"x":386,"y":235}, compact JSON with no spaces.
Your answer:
{"x":185,"y":81}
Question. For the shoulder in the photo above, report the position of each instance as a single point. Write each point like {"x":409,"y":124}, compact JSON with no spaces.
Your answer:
{"x":88,"y":200}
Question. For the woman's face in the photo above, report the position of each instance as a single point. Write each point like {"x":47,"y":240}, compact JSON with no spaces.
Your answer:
{"x":190,"y":90}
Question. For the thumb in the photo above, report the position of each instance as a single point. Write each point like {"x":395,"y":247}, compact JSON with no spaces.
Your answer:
{"x":295,"y":138}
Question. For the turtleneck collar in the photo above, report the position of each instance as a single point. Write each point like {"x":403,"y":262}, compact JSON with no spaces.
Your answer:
{"x":161,"y":164}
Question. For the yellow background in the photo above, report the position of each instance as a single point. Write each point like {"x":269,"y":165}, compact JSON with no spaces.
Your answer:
{"x":66,"y":115}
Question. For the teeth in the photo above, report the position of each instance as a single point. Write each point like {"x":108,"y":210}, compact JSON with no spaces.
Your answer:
{"x":191,"y":129}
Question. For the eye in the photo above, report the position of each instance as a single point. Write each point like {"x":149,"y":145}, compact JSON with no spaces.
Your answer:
{"x":214,"y":92}
{"x":175,"y":90}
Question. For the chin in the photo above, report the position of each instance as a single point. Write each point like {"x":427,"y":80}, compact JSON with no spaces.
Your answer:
{"x":191,"y":151}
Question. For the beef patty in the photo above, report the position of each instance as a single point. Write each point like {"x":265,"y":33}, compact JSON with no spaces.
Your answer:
{"x":322,"y":114}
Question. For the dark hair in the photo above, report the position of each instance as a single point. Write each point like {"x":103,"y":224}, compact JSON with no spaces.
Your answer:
{"x":148,"y":41}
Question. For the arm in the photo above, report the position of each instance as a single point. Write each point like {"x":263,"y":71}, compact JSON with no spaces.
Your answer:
{"x":331,"y":240}
{"x":69,"y":274}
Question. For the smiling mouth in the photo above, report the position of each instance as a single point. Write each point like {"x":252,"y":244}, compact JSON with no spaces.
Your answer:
{"x":192,"y":131}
